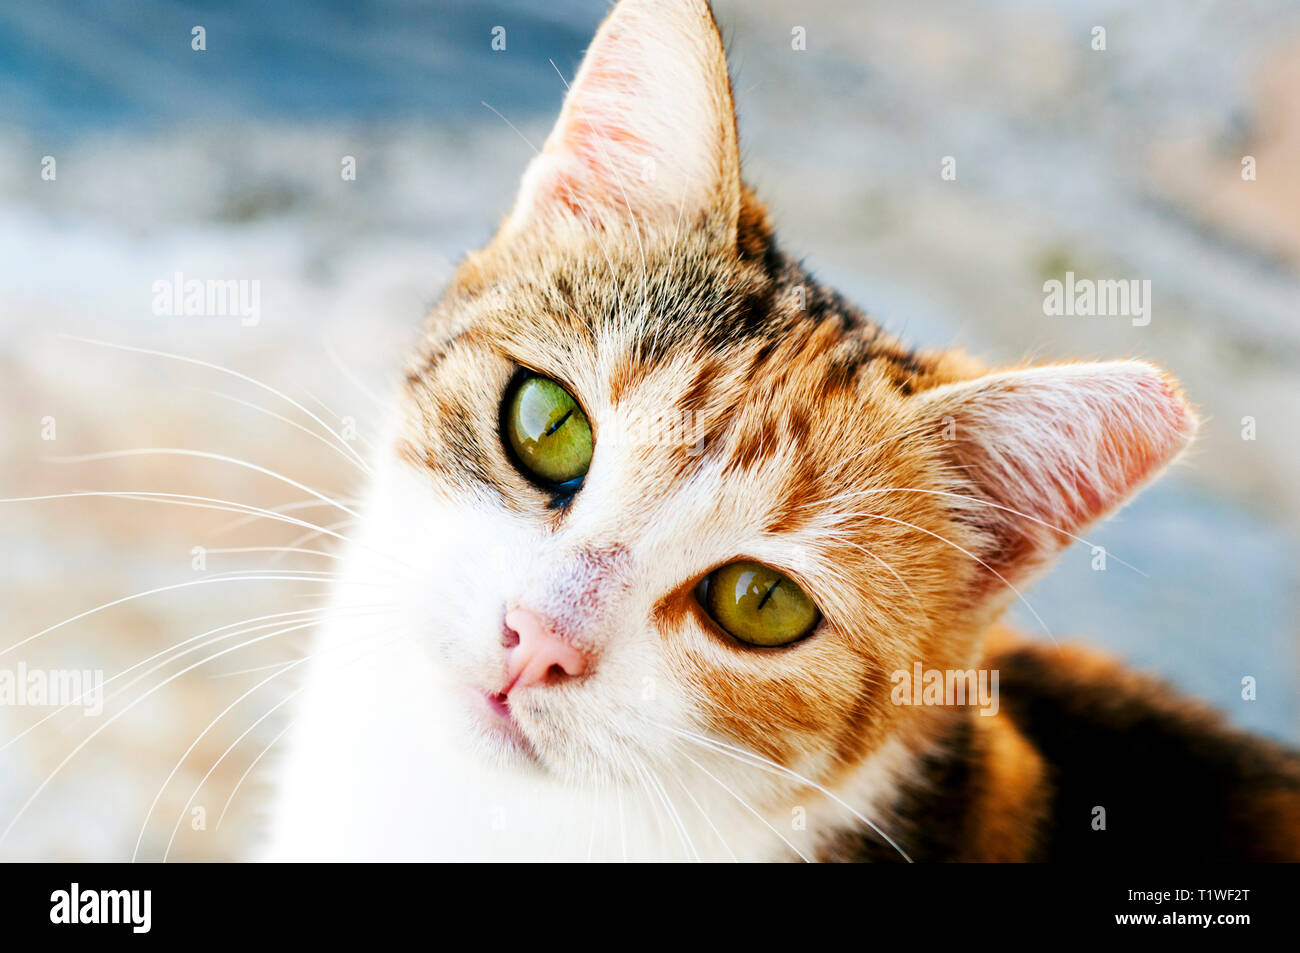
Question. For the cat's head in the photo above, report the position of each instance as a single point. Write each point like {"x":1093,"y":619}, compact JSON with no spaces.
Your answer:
{"x":653,"y":481}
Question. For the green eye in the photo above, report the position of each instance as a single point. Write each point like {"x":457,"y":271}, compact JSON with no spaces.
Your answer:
{"x":548,"y":431}
{"x":759,"y":605}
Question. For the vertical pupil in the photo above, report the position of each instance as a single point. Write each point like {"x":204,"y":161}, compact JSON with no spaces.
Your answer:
{"x":559,"y":423}
{"x":754,"y":589}
{"x":758,"y":604}
{"x":548,"y":432}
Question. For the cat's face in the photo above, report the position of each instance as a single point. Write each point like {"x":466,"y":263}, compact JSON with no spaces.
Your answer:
{"x":580,"y":589}
{"x":727,"y":425}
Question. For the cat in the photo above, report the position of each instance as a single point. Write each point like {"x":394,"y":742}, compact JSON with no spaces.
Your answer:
{"x":661,"y":519}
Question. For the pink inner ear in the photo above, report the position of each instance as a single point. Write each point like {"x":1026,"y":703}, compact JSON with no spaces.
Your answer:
{"x":647,"y":131}
{"x":600,"y":151}
{"x":1063,"y":446}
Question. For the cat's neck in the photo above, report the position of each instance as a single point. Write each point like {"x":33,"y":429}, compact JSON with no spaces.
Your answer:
{"x":975,"y":793}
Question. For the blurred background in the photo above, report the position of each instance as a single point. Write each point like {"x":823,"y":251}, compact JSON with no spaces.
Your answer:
{"x":225,"y":163}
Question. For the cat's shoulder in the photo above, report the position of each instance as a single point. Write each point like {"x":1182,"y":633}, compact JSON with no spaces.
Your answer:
{"x":1134,"y":769}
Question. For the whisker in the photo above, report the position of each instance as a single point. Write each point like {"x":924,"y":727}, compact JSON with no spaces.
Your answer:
{"x":512,"y":126}
{"x":282,"y":508}
{"x":94,"y":734}
{"x":893,"y":437}
{"x":990,"y":503}
{"x":274,"y":549}
{"x":278,"y":705}
{"x":1005,"y":581}
{"x":310,"y":617}
{"x":654,"y":807}
{"x":595,"y":815}
{"x":893,"y":572}
{"x":253,"y":764}
{"x":194,"y":744}
{"x":224,"y":370}
{"x":352,"y":378}
{"x":249,"y":671}
{"x":746,"y":806}
{"x":296,"y":573}
{"x":175,"y":653}
{"x":249,"y":770}
{"x":292,"y":423}
{"x":204,"y":455}
{"x":325,"y":407}
{"x":707,"y":820}
{"x":622,"y":823}
{"x":656,"y":788}
{"x":140,"y":595}
{"x":761,"y":762}
{"x":171,"y":648}
{"x":322,"y":531}
{"x":213,"y":503}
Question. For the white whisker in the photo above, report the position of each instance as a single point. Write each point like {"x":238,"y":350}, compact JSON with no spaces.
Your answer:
{"x":94,"y":734}
{"x":171,"y":648}
{"x":292,"y":423}
{"x":353,"y":379}
{"x":339,"y":417}
{"x":249,"y":770}
{"x":224,"y":370}
{"x":231,"y":747}
{"x":707,"y":820}
{"x":1006,"y":582}
{"x":194,"y":744}
{"x":282,"y":508}
{"x":745,"y":804}
{"x":273,"y":549}
{"x":141,"y":595}
{"x":989,"y":503}
{"x":761,"y":762}
{"x":204,"y":455}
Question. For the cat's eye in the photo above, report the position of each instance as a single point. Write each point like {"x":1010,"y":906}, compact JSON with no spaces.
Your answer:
{"x":758,"y":605}
{"x":548,"y":432}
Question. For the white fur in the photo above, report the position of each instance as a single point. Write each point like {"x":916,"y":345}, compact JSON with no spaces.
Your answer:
{"x":383,"y":763}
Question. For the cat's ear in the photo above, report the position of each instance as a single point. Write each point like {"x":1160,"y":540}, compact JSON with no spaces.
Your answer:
{"x":1049,"y":450}
{"x":648,"y":130}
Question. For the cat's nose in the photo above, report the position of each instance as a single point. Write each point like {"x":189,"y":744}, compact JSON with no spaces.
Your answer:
{"x":539,"y":656}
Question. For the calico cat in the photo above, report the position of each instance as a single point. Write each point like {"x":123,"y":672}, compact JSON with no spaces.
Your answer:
{"x":663,"y":525}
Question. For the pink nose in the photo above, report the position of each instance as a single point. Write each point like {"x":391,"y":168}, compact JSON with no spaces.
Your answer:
{"x":540,"y":657}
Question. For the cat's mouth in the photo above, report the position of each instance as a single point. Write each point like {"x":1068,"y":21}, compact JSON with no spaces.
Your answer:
{"x":498,"y":721}
{"x":500,"y":704}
